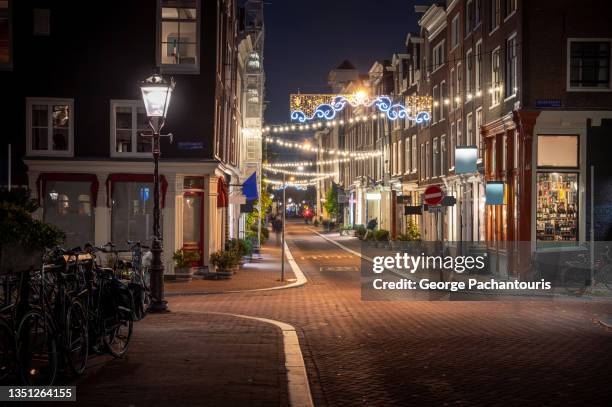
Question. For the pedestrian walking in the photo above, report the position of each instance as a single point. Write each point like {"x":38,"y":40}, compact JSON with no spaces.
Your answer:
{"x":277,"y":226}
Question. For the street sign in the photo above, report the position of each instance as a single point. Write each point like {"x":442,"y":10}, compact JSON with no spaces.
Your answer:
{"x":449,"y":201}
{"x":433,"y":195}
{"x":413,"y":210}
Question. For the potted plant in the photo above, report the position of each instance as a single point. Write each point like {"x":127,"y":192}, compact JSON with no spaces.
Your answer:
{"x":225,"y":263}
{"x":381,"y":236}
{"x":242,"y":247}
{"x":183,"y":262}
{"x":360,"y":231}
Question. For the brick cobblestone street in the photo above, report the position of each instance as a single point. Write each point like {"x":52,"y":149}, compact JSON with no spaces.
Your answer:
{"x":429,"y":353}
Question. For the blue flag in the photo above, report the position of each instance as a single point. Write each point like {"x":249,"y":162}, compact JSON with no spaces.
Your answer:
{"x":249,"y":187}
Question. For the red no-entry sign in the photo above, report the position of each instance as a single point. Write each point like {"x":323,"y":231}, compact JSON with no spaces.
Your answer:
{"x":433,"y":195}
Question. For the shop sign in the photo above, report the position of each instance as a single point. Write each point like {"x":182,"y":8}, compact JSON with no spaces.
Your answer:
{"x":494,"y":193}
{"x":548,"y":103}
{"x":373,"y":196}
{"x":413,"y":210}
{"x":448,"y":201}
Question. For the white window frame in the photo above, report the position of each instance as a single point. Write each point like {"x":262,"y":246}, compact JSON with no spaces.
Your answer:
{"x":459,"y":88}
{"x":407,"y":155}
{"x":427,"y":160}
{"x":515,"y":69}
{"x":478,"y":66}
{"x":443,"y":153}
{"x":49,"y":102}
{"x":513,"y":11}
{"x":455,"y":31}
{"x":452,"y":146}
{"x":495,"y":15}
{"x":477,"y":126}
{"x":452,"y":90}
{"x":414,"y":151}
{"x":469,"y":68}
{"x":435,"y":157}
{"x":134,"y":104}
{"x":179,"y":68}
{"x":469,"y":17}
{"x":438,"y":60}
{"x":569,"y":60}
{"x":496,"y":97}
{"x":441,"y":102}
{"x":400,"y":158}
{"x":469,"y":130}
{"x":459,"y":132}
{"x":435,"y":93}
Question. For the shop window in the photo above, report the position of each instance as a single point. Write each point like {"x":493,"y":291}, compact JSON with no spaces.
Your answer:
{"x":557,"y":207}
{"x":50,"y":126}
{"x":179,"y":35}
{"x":193,"y":183}
{"x":558,"y":151}
{"x":132,"y":211}
{"x":68,"y":205}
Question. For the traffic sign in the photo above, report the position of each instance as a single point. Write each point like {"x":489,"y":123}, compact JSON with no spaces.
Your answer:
{"x":433,"y":195}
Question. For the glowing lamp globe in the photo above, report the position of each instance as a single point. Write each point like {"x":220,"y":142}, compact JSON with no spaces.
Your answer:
{"x":156,"y":93}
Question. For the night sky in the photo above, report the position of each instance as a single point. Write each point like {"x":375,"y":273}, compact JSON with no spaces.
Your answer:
{"x":305,"y":39}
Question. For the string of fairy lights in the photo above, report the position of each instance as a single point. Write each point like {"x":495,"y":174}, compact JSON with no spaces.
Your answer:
{"x":293,"y":127}
{"x":302,"y":182}
{"x":298,"y":172}
{"x":307,"y":146}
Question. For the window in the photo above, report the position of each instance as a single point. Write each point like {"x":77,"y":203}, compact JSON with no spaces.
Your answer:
{"x":394,"y":159}
{"x":50,"y":126}
{"x":443,"y":155}
{"x":178,"y":32}
{"x":68,"y":205}
{"x":510,"y":8}
{"x":477,"y":12}
{"x":478,"y":70}
{"x":427,"y":161}
{"x":495,"y":14}
{"x":468,"y":74}
{"x":436,"y":158}
{"x":128,"y":122}
{"x":132,"y":211}
{"x":6,"y":57}
{"x":511,"y":67}
{"x":469,"y":17}
{"x":407,"y":156}
{"x":400,"y":159}
{"x":41,"y":23}
{"x":422,"y":162}
{"x":558,"y":151}
{"x":557,"y":207}
{"x":455,"y":31}
{"x":442,"y":100}
{"x":459,"y":88}
{"x":459,"y":133}
{"x":438,"y":56}
{"x":452,"y":88}
{"x":495,"y":90}
{"x":469,"y":130}
{"x":453,"y":144}
{"x":414,"y":154}
{"x":589,"y":64}
{"x":478,"y":133}
{"x":436,"y":105}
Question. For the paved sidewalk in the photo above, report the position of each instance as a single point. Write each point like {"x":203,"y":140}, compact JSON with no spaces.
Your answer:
{"x":254,"y":275}
{"x":185,"y":359}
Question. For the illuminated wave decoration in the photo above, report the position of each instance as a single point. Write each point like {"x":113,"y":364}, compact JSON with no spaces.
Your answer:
{"x":306,"y":107}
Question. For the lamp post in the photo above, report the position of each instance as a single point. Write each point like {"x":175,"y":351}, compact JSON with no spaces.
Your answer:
{"x":156,"y":93}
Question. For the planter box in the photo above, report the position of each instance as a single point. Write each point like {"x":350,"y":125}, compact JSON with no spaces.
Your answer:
{"x":181,"y":275}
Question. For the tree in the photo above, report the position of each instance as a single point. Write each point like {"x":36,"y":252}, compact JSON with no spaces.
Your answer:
{"x":331,"y":202}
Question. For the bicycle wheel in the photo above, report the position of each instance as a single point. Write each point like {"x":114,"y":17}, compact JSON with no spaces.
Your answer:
{"x":36,"y":350}
{"x":7,"y":349}
{"x":117,"y":336}
{"x":76,"y":346}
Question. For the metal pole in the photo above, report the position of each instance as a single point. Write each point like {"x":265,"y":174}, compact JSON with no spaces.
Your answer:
{"x":258,"y":251}
{"x":9,"y":168}
{"x":283,"y":233}
{"x":592,"y":237}
{"x":158,"y":304}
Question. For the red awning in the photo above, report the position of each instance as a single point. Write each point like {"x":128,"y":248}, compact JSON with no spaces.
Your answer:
{"x":222,"y":198}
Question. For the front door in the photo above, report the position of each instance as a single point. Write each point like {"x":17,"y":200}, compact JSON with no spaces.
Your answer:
{"x":193,"y":227}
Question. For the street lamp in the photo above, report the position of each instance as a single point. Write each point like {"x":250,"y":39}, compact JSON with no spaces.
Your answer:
{"x":156,"y":93}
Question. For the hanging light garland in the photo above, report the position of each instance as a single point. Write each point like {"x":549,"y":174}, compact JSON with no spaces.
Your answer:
{"x":306,"y":146}
{"x":312,"y":163}
{"x":298,"y":172}
{"x":304,"y":182}
{"x":292,"y":127}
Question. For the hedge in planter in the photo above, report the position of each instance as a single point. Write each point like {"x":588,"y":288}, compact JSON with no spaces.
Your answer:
{"x":225,"y":262}
{"x":183,"y":260}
